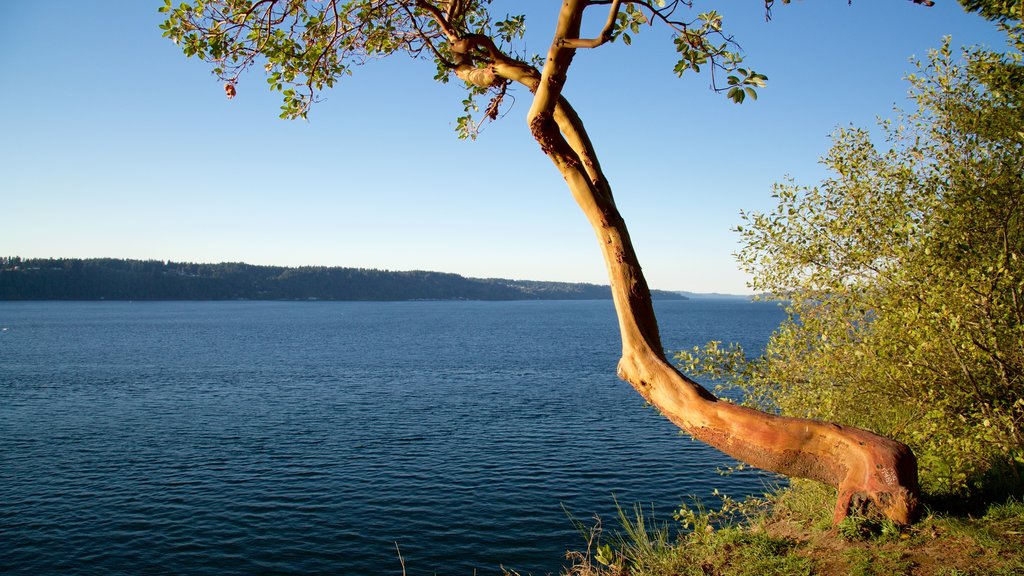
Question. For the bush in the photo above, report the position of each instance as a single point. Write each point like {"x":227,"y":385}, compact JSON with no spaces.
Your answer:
{"x":903,"y":275}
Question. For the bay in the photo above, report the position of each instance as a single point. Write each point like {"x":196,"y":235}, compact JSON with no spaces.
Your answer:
{"x":311,"y":437}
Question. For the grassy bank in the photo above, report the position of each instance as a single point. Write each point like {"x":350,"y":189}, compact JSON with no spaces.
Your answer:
{"x":790,"y":533}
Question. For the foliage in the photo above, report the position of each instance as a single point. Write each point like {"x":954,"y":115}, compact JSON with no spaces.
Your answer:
{"x":904,"y":276}
{"x":307,"y":46}
{"x":1003,"y":11}
{"x":857,"y":527}
{"x":703,"y":541}
{"x":789,"y":532}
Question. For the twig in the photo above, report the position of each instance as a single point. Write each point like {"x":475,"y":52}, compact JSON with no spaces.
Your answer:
{"x":400,"y":559}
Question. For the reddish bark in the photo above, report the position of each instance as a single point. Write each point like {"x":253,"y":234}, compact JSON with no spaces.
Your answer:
{"x":863,"y":466}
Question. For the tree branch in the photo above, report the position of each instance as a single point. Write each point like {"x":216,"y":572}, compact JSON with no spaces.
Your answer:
{"x":427,"y":39}
{"x":603,"y":37}
{"x":553,"y":74}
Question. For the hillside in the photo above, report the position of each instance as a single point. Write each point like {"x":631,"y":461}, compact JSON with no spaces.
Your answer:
{"x":115,"y":279}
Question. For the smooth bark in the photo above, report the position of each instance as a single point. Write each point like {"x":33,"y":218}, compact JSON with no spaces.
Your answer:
{"x":864,"y":466}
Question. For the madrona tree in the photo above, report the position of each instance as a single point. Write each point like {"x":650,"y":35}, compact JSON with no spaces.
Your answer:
{"x":307,"y":45}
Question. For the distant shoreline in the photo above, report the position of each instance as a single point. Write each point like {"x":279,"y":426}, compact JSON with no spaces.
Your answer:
{"x":111,"y":279}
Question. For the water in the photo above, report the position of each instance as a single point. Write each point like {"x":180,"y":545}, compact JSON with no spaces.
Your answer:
{"x":309,"y":438}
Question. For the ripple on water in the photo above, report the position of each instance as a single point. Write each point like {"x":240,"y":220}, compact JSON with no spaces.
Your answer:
{"x":307,"y":438}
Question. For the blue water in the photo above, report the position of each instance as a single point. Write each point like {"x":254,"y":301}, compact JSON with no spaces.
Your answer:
{"x":309,"y":438}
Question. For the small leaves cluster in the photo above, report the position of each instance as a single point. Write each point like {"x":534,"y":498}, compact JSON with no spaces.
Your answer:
{"x":629,"y":20}
{"x":857,"y":528}
{"x":507,"y":34}
{"x":466,"y":128}
{"x":1003,"y":11}
{"x":735,"y":376}
{"x":713,"y":361}
{"x":510,"y":29}
{"x":703,"y":43}
{"x":214,"y":44}
{"x":744,"y":83}
{"x":696,"y":49}
{"x":698,"y":519}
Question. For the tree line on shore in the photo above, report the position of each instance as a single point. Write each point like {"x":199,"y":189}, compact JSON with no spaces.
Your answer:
{"x":119,"y":279}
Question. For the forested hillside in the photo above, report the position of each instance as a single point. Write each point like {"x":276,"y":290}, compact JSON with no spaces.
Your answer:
{"x":113,"y":279}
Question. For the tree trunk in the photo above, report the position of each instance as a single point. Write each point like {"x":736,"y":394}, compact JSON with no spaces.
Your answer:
{"x":864,"y":466}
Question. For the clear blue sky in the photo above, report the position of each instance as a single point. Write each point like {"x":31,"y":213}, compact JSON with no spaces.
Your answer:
{"x":115,"y":145}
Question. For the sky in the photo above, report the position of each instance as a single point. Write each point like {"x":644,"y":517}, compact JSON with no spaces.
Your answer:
{"x":113,"y":144}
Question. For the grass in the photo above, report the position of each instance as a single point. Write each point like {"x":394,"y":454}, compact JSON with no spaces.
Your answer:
{"x":789,"y":533}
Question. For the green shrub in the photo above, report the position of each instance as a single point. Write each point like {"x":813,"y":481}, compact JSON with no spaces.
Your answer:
{"x":903,"y":277}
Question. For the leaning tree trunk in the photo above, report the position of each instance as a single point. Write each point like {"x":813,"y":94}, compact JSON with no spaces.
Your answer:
{"x":864,"y":466}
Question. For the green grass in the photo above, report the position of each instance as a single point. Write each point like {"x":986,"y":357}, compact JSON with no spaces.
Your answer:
{"x":789,"y":533}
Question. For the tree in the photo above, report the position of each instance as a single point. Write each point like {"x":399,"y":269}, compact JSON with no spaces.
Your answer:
{"x":904,"y":276}
{"x":306,"y":46}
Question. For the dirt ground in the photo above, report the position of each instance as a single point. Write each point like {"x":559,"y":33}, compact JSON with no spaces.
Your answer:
{"x":936,"y":546}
